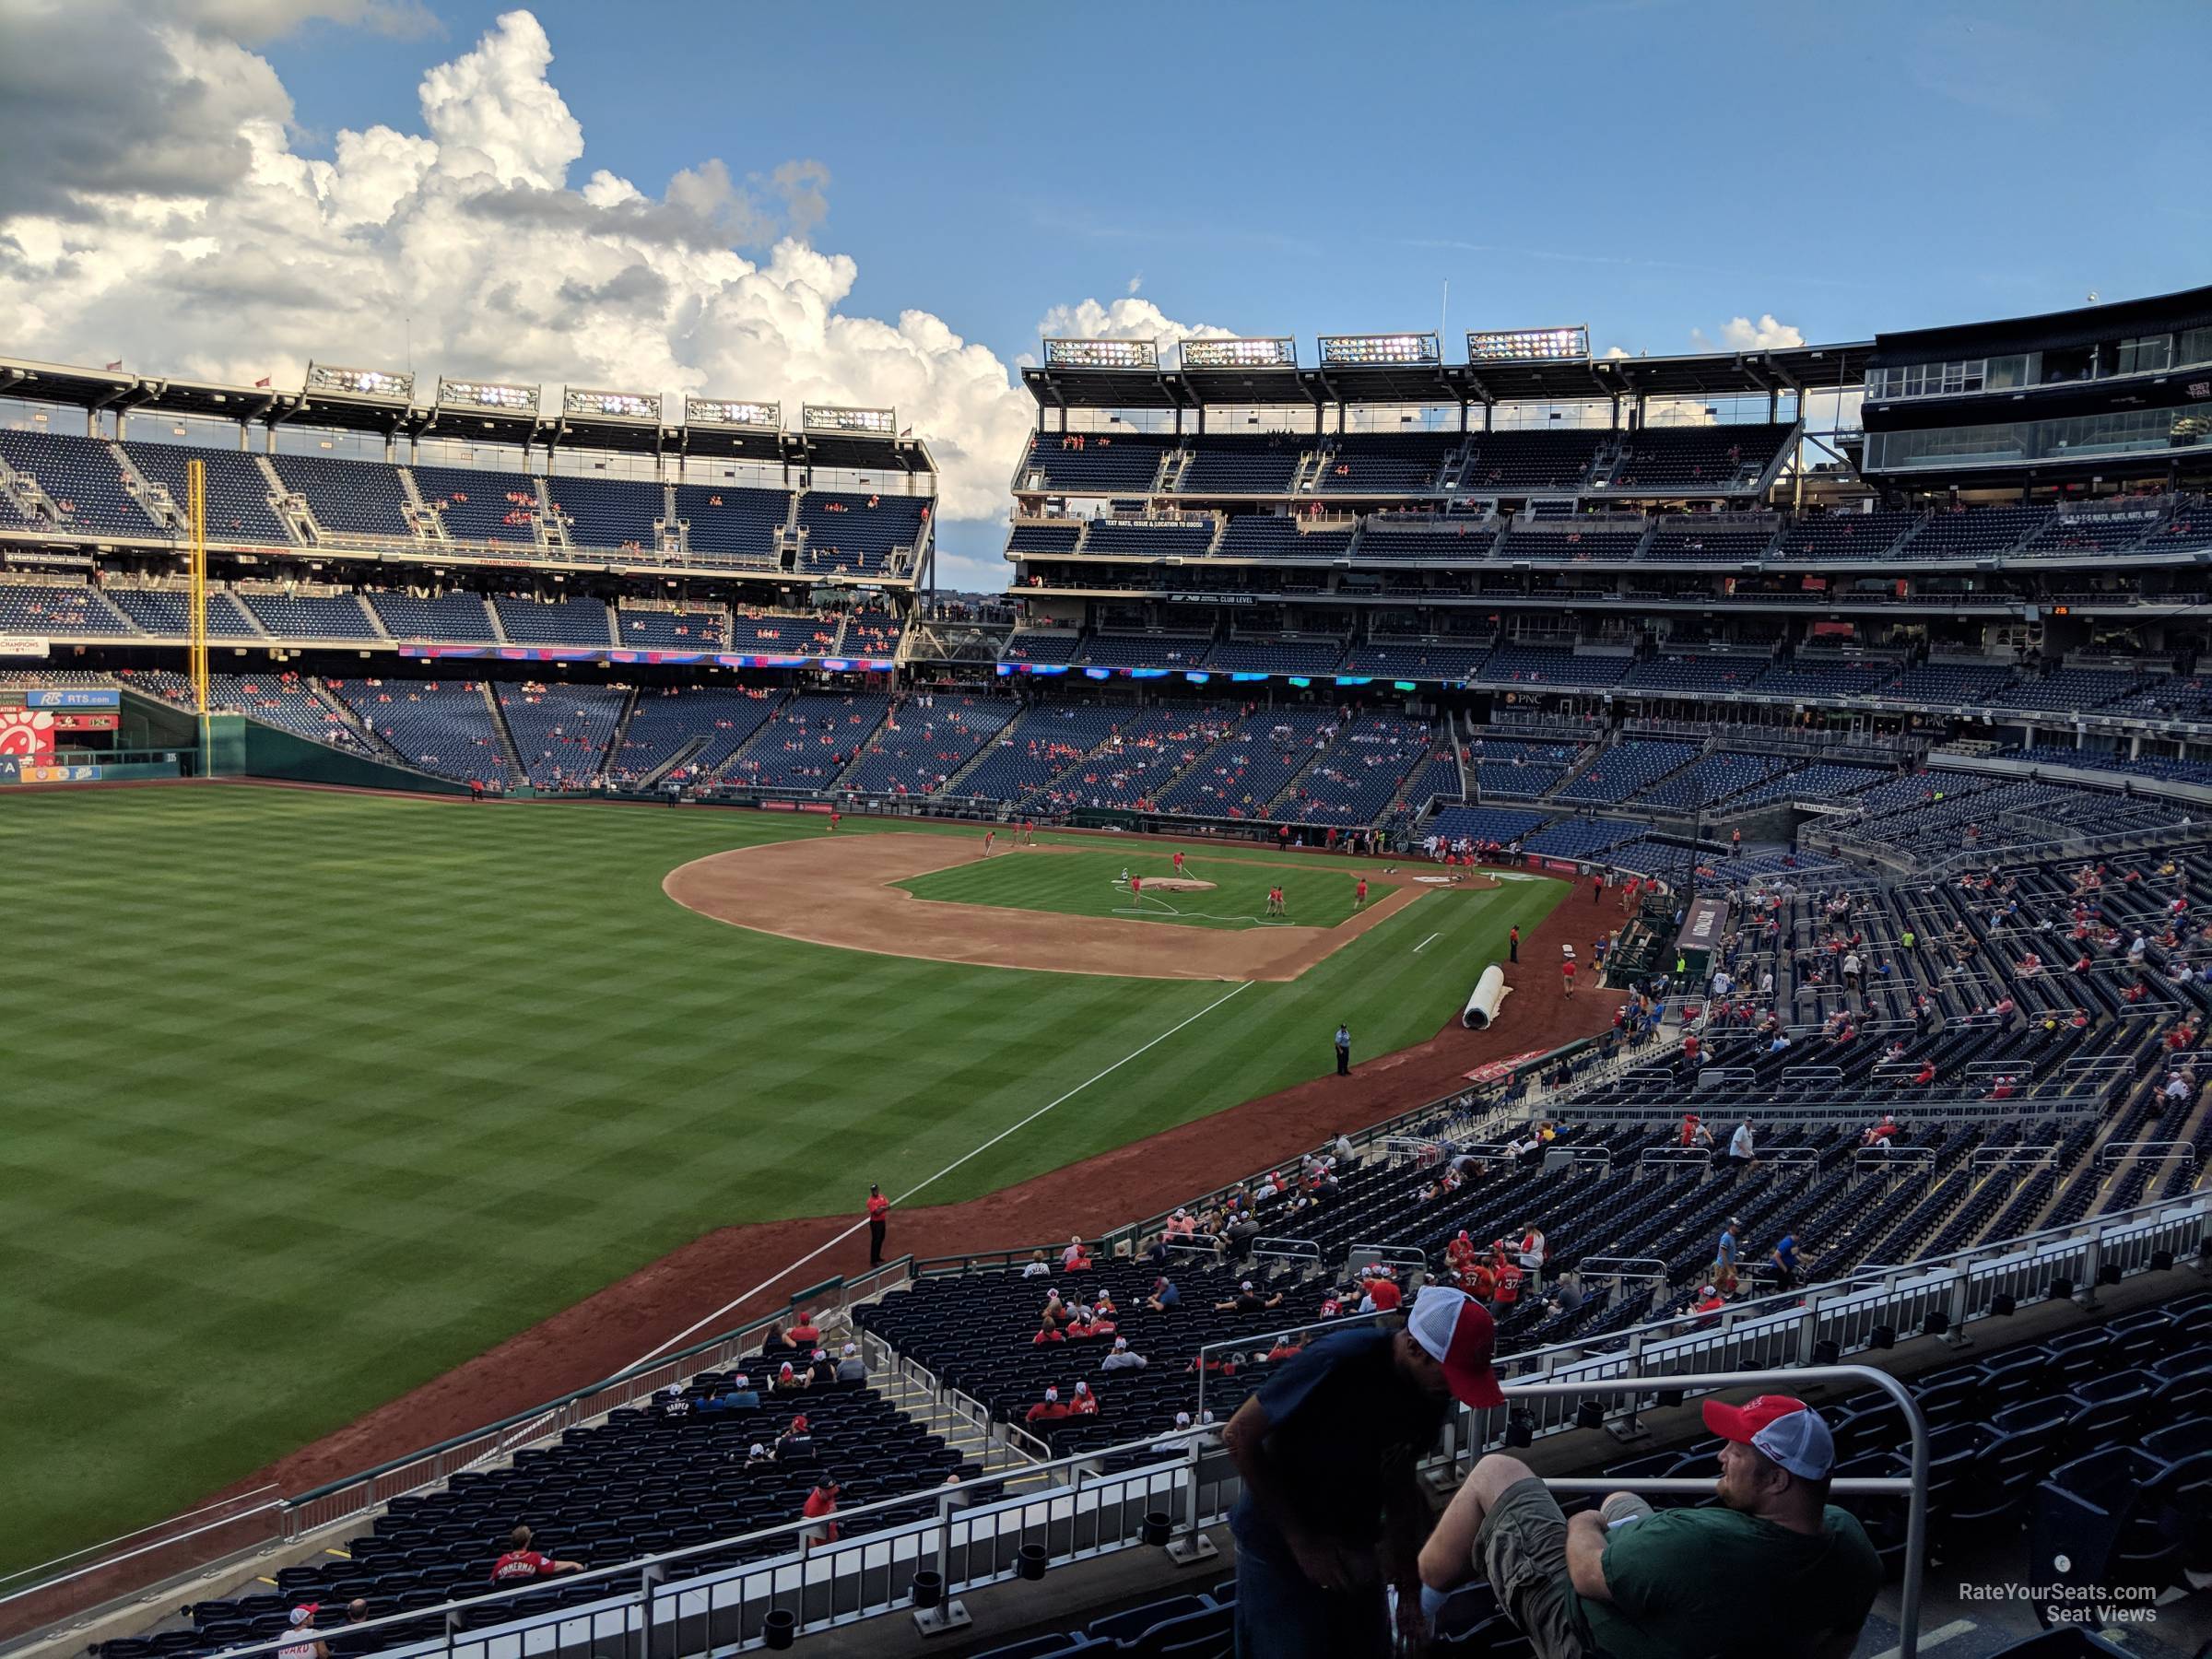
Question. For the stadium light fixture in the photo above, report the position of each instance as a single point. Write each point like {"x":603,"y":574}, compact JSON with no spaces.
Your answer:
{"x":487,"y":395}
{"x":1100,"y":354}
{"x":836,"y":418}
{"x":1256,"y":353}
{"x":619,"y":406}
{"x":1528,"y":344}
{"x":733,"y":412}
{"x":359,"y":383}
{"x":1403,"y":350}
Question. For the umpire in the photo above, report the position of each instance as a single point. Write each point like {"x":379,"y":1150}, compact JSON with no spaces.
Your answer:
{"x":1344,"y":1049}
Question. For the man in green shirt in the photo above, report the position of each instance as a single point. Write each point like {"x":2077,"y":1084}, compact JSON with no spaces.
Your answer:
{"x":1774,"y":1572}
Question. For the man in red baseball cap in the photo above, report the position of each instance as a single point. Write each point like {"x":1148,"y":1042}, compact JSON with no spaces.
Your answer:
{"x":1327,"y":1447}
{"x":1775,"y":1572}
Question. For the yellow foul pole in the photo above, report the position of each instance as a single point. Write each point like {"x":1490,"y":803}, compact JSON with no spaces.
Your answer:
{"x":196,"y":474}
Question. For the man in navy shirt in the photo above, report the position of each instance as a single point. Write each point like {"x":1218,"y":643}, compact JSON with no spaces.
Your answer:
{"x":1327,"y":1449}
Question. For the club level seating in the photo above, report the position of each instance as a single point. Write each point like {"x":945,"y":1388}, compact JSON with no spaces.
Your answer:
{"x":2069,"y":689}
{"x":1271,"y":536}
{"x":808,"y":741}
{"x":2094,"y":760}
{"x":312,"y":615}
{"x":1810,"y":676}
{"x":1698,"y":460}
{"x":1033,"y":751}
{"x":83,"y":479}
{"x":1484,"y":825}
{"x":871,"y":633}
{"x":348,"y":498}
{"x":1574,"y":542}
{"x":1823,"y":781}
{"x":703,"y":724}
{"x":1413,"y":659}
{"x":651,"y":1478}
{"x":1694,"y":675}
{"x":442,"y":726}
{"x":765,"y":634}
{"x":2088,"y":532}
{"x":1708,"y":541}
{"x":732,"y":523}
{"x":2165,"y":697}
{"x":1351,"y":782}
{"x":1629,"y":766}
{"x":560,"y":733}
{"x":1512,"y":664}
{"x":1949,"y":683}
{"x":1976,"y":532}
{"x":1436,"y":780}
{"x":854,"y":533}
{"x":457,"y":618}
{"x":237,"y":490}
{"x":1512,"y":462}
{"x":1091,"y":464}
{"x":609,"y":514}
{"x":482,"y":506}
{"x":928,"y":739}
{"x":1830,"y":536}
{"x":1276,"y":656}
{"x":1049,"y":645}
{"x":706,"y":629}
{"x":1254,"y":466}
{"x":582,"y":622}
{"x":1146,"y":651}
{"x":1385,"y":463}
{"x":167,"y":613}
{"x":54,"y":612}
{"x":1239,"y":778}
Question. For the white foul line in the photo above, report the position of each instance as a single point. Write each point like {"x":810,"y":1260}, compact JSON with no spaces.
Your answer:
{"x":786,"y":1272}
{"x":1424,"y":945}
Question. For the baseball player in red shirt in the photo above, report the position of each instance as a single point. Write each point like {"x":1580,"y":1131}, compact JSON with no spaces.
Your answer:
{"x":1028,"y":830}
{"x":1359,"y":895}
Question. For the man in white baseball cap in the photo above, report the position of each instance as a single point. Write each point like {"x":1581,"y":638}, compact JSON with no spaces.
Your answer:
{"x":1775,"y":1572}
{"x":1327,"y":1447}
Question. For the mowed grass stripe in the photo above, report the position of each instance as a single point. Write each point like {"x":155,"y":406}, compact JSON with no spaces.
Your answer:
{"x":312,"y":1097}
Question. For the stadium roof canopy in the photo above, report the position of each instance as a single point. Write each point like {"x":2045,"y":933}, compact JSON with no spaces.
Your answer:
{"x":398,"y":407}
{"x":1805,"y":368}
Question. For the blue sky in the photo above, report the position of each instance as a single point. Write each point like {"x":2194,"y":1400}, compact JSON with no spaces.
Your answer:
{"x":1651,"y":168}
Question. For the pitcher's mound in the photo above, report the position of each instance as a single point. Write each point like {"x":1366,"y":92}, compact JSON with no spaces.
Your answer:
{"x":1176,"y":884}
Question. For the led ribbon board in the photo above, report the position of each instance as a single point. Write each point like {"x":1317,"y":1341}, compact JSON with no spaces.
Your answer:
{"x":1241,"y":354}
{"x":1354,"y":351}
{"x":619,"y":406}
{"x":487,"y":395}
{"x":733,"y":412}
{"x":359,"y":383}
{"x":1100,"y":354}
{"x":1528,"y":344}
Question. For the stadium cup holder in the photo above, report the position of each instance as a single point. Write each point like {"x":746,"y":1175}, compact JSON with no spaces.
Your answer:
{"x":928,"y":1588}
{"x":1030,"y":1562}
{"x":780,"y":1628}
{"x":1159,"y":1529}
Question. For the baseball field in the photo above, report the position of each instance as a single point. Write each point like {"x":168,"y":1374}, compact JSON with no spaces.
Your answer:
{"x":312,"y":1097}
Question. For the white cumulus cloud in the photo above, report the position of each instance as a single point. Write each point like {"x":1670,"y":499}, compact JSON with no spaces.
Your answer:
{"x":1741,"y":333}
{"x":155,"y":210}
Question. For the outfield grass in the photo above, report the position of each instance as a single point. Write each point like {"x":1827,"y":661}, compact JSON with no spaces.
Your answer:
{"x":1090,"y":884}
{"x":312,"y":1097}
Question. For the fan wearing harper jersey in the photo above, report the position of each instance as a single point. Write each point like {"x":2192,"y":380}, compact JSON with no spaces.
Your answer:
{"x":1775,"y":1572}
{"x":521,"y":1561}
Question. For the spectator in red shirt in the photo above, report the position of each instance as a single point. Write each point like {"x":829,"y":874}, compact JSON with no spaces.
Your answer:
{"x":1085,"y":1404}
{"x":803,"y":1334}
{"x":1383,"y":1292}
{"x":879,"y":1206}
{"x":522,"y":1562}
{"x":1075,"y":1258}
{"x":1047,"y":1332}
{"x":1047,"y":1410}
{"x":821,"y":1508}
